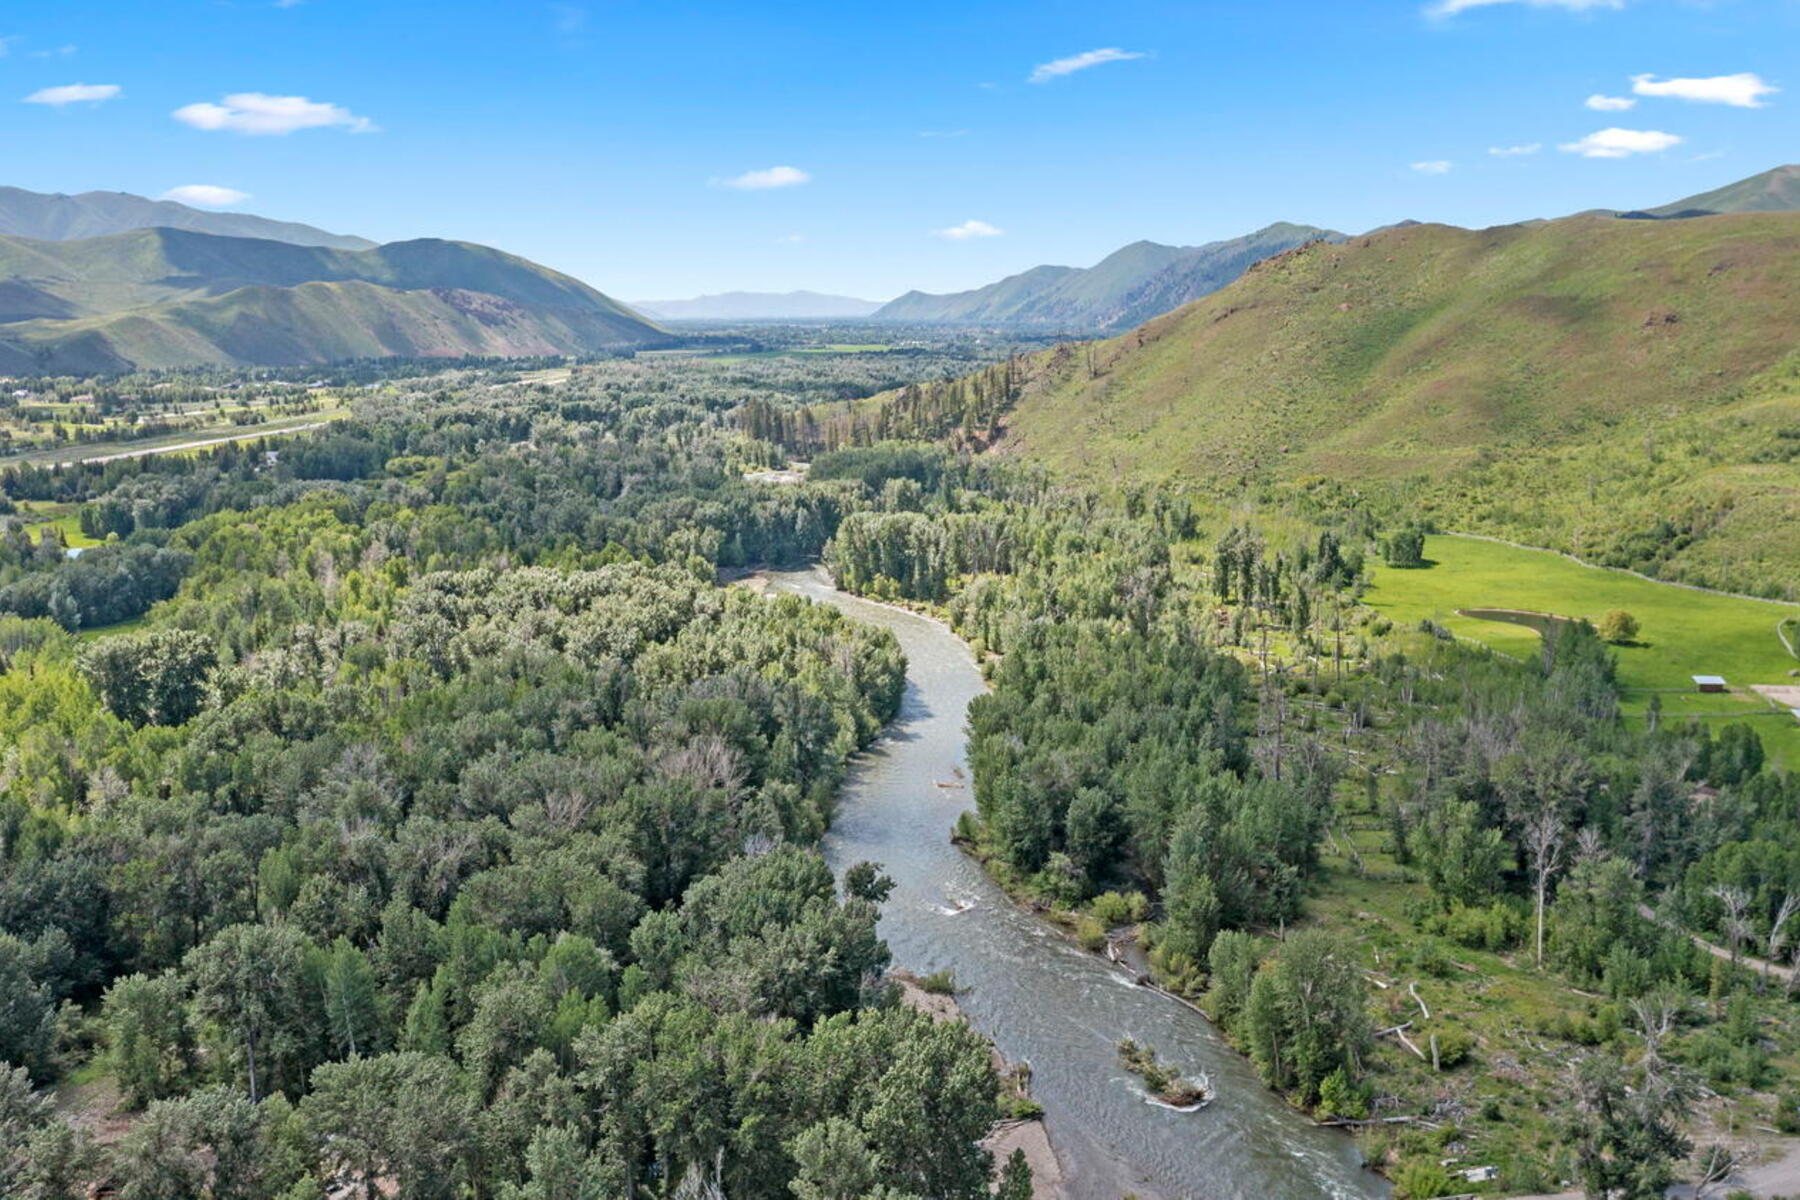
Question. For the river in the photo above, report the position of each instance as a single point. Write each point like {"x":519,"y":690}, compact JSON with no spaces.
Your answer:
{"x":1040,"y":998}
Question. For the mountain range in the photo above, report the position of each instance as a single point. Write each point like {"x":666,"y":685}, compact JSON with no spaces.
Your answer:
{"x":60,"y":218}
{"x":1123,"y":289}
{"x":759,"y":306}
{"x":161,"y":297}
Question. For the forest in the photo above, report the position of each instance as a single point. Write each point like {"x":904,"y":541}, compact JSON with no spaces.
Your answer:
{"x":407,"y":809}
{"x":403,"y":804}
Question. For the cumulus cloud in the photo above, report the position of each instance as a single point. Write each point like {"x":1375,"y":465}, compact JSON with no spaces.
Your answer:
{"x":1621,"y":143}
{"x":1515,"y":151}
{"x":1744,"y":90}
{"x":1436,"y":166}
{"x":1449,"y":8}
{"x":967,"y":230}
{"x":205,"y":195}
{"x":74,"y":93}
{"x":257,"y":114}
{"x":1600,"y":103}
{"x":1056,"y":68}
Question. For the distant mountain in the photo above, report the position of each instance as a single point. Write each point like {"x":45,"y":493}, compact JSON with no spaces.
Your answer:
{"x":60,"y":218}
{"x":758,"y":306}
{"x":1772,"y":191}
{"x":1126,"y":288}
{"x":154,"y":298}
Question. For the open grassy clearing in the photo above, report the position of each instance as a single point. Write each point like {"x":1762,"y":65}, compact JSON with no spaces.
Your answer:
{"x":1685,"y":632}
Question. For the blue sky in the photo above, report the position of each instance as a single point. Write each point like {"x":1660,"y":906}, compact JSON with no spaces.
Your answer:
{"x":603,"y":137}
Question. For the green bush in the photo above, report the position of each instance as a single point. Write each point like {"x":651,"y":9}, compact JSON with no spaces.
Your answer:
{"x":1454,"y":1046}
{"x":1090,"y":933}
{"x":1421,"y":1179}
{"x":939,"y":983}
{"x":1341,"y":1096}
{"x":1119,"y":908}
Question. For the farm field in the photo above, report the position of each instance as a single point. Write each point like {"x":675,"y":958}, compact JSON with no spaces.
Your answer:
{"x":1685,"y":632}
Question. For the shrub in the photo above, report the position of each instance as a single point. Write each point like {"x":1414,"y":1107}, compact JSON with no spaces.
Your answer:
{"x":1117,"y":908}
{"x":1090,"y":932}
{"x":1454,"y":1046}
{"x":1420,"y":1179}
{"x":1341,"y":1096}
{"x":939,"y":983}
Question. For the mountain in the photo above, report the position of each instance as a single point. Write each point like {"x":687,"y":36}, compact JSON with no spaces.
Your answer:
{"x":1129,"y":286}
{"x":156,"y":298}
{"x":1772,"y":191}
{"x":59,"y":218}
{"x":1627,"y":391}
{"x":758,"y":306}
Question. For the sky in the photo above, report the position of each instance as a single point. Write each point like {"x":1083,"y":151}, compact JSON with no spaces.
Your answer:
{"x":667,"y":148}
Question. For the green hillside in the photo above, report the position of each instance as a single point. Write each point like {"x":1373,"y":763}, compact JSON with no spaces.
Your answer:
{"x":1772,"y":191}
{"x":1128,"y":286}
{"x":165,"y":298}
{"x":1628,"y":391}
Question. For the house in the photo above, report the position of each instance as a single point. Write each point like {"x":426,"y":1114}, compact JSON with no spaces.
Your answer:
{"x":1710,"y":683}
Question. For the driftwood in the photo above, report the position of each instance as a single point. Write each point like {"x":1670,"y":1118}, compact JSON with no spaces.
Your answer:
{"x":1348,"y":1123}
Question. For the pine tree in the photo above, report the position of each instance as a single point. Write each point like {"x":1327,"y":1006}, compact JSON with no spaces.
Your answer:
{"x":1015,"y":1178}
{"x":352,"y":1000}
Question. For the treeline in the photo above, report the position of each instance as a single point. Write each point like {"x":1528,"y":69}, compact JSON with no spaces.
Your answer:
{"x":966,"y":409}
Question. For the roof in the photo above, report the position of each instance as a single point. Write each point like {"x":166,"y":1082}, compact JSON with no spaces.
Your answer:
{"x":1709,"y":679}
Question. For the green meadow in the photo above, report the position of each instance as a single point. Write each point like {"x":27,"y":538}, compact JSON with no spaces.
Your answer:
{"x":1683,"y":632}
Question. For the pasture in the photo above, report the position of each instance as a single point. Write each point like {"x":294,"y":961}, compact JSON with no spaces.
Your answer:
{"x":1683,"y":631}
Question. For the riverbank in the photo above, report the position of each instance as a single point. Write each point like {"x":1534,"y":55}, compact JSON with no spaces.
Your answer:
{"x":1027,"y":1134}
{"x":1043,"y":1002}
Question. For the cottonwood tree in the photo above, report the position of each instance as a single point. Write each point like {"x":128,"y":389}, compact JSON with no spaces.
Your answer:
{"x":1544,"y":837}
{"x":1736,"y":902}
{"x":249,"y":978}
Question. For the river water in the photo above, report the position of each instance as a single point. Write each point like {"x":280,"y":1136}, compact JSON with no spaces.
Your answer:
{"x":1040,"y":998}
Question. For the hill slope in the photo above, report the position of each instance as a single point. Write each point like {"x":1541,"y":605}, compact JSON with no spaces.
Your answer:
{"x":56,"y":217}
{"x":758,"y":306}
{"x":167,"y":298}
{"x":1625,"y":390}
{"x":1772,"y":191}
{"x":1130,"y":285}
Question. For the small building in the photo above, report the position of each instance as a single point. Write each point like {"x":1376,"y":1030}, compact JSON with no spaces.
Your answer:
{"x":1710,"y":683}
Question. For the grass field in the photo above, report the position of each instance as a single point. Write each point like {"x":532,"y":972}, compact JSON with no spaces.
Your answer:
{"x":1684,"y":632}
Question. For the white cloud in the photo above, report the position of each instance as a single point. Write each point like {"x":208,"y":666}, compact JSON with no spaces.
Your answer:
{"x":205,"y":195}
{"x":1515,"y":151}
{"x":1437,"y":166}
{"x":1600,"y":103}
{"x":967,"y":230}
{"x":74,"y":93}
{"x":768,"y":177}
{"x":1744,"y":90}
{"x":1621,"y":143}
{"x":1045,"y":72}
{"x":1449,"y":8}
{"x":257,"y":114}
{"x":790,"y":239}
